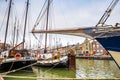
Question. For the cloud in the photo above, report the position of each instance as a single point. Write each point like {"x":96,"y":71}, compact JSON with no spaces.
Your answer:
{"x":82,"y":15}
{"x":67,"y":14}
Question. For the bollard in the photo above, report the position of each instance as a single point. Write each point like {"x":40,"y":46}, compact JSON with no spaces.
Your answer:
{"x":72,"y":60}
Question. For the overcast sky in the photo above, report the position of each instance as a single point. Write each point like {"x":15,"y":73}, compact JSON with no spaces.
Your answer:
{"x":66,"y":14}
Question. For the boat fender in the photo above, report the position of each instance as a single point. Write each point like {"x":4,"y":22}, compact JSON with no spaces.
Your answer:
{"x":17,"y":56}
{"x":59,"y":55}
{"x":36,"y":56}
{"x":0,"y":60}
{"x":72,"y":52}
{"x":53,"y":56}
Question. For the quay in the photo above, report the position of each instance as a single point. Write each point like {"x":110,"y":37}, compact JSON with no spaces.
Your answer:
{"x":103,"y":57}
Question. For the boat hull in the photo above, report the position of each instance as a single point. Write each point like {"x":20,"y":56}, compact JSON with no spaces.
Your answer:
{"x":63,"y":63}
{"x":112,"y":45}
{"x":54,"y":65}
{"x":12,"y":65}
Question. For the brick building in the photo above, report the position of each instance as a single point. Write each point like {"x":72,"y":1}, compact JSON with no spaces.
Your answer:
{"x":92,"y":47}
{"x":98,"y":49}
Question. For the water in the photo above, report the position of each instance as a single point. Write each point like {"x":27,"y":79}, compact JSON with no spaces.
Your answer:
{"x":84,"y":69}
{"x":97,"y":69}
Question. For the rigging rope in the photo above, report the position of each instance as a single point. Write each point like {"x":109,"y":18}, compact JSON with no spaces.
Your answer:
{"x":40,"y":16}
{"x":5,"y":73}
{"x":29,"y":66}
{"x":107,"y":13}
{"x":11,"y":66}
{"x":4,"y":17}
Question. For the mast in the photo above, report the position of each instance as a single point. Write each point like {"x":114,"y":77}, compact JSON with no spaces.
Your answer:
{"x":7,"y":24}
{"x":45,"y":50}
{"x":25,"y":22}
{"x":14,"y":31}
{"x":17,"y":33}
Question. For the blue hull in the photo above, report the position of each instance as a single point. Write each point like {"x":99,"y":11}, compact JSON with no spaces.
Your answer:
{"x":112,"y":44}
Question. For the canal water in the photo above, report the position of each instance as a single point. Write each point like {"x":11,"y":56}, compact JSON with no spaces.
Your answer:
{"x":85,"y":68}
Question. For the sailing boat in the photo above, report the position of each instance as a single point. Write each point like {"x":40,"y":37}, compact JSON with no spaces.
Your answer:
{"x":49,"y":58}
{"x":13,"y":58}
{"x":107,"y":35}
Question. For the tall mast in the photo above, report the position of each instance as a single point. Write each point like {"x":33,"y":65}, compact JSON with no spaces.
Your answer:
{"x":7,"y":24}
{"x":14,"y":31}
{"x":25,"y":22}
{"x":17,"y":33}
{"x":45,"y":50}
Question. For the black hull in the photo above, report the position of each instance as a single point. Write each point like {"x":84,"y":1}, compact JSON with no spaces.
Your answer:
{"x":7,"y":66}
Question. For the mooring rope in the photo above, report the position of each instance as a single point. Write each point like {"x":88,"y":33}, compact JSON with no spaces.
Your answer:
{"x":11,"y":66}
{"x":5,"y":73}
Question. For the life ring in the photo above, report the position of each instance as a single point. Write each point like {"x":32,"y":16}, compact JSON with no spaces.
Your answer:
{"x":17,"y":56}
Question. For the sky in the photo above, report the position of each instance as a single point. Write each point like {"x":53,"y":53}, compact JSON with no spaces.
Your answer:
{"x":65,"y":14}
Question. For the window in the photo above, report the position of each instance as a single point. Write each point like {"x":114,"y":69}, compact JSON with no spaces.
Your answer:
{"x":101,"y":51}
{"x":93,"y":45}
{"x":97,"y":46}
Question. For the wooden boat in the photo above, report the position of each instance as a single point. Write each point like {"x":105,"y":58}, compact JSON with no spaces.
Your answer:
{"x":14,"y":58}
{"x":107,"y":35}
{"x":49,"y":59}
{"x":57,"y":63}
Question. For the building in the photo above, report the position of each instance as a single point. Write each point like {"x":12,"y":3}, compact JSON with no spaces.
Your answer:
{"x":98,"y":49}
{"x":92,"y":47}
{"x":86,"y":47}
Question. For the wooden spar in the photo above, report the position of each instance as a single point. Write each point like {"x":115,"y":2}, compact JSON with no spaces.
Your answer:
{"x":75,"y":32}
{"x":25,"y":22}
{"x":17,"y":45}
{"x":45,"y":50}
{"x":14,"y":33}
{"x":7,"y":24}
{"x":79,"y":30}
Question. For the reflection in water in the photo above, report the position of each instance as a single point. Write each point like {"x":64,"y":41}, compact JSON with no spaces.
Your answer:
{"x":85,"y":68}
{"x":54,"y":73}
{"x":97,"y":69}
